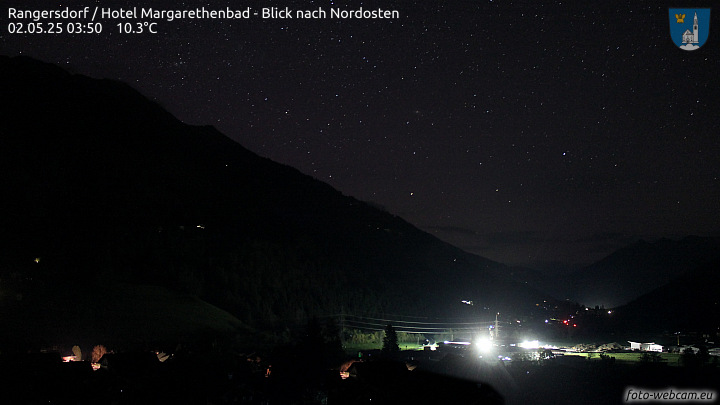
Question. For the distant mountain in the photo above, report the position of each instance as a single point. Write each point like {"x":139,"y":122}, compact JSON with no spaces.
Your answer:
{"x":640,"y":268}
{"x":689,"y":303}
{"x":103,"y":186}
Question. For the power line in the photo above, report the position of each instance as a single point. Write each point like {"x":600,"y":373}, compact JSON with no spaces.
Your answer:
{"x":361,"y":325}
{"x":398,"y":321}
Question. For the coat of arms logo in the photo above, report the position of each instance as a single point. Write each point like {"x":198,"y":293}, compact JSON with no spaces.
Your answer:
{"x":689,"y":27}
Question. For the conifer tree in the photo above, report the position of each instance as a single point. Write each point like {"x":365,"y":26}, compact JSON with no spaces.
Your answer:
{"x":390,"y":341}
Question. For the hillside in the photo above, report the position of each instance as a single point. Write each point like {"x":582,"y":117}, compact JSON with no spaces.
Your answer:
{"x":689,"y":303}
{"x":105,"y":185}
{"x":640,"y":268}
{"x":122,"y":316}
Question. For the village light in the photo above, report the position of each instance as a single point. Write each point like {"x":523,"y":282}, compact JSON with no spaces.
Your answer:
{"x":484,"y":345}
{"x":450,"y":342}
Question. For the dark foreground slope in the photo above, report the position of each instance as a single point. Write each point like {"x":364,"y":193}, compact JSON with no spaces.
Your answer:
{"x":103,"y":186}
{"x":121,"y":316}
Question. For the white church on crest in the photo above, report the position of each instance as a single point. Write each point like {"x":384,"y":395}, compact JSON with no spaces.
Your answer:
{"x":692,"y":37}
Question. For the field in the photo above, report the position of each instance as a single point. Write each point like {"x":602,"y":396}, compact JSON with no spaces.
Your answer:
{"x":355,"y":347}
{"x":672,"y":359}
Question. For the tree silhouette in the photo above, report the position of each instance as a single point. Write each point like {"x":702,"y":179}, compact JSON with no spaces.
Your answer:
{"x":97,"y":353}
{"x":688,"y":358}
{"x":77,"y":353}
{"x":390,"y":341}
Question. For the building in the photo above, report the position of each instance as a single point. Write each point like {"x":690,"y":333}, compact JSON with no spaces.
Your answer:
{"x":645,"y":347}
{"x":692,"y":37}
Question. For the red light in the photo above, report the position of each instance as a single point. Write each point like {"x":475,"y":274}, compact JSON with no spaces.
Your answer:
{"x":565,"y":322}
{"x":574,"y":325}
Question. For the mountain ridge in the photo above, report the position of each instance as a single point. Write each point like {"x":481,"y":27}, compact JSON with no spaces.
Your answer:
{"x":689,"y":303}
{"x":639,"y":268}
{"x":107,"y":184}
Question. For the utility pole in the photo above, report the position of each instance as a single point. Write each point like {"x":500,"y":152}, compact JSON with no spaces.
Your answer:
{"x":342,"y":325}
{"x":497,"y":330}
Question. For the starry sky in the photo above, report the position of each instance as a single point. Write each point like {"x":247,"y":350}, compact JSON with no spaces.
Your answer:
{"x":536,"y":133}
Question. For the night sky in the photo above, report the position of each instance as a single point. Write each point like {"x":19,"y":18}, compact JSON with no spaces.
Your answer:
{"x":527,"y":132}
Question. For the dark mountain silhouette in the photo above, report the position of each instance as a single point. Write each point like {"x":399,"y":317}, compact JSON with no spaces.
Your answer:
{"x":103,"y":186}
{"x":640,"y":268}
{"x":689,"y":303}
